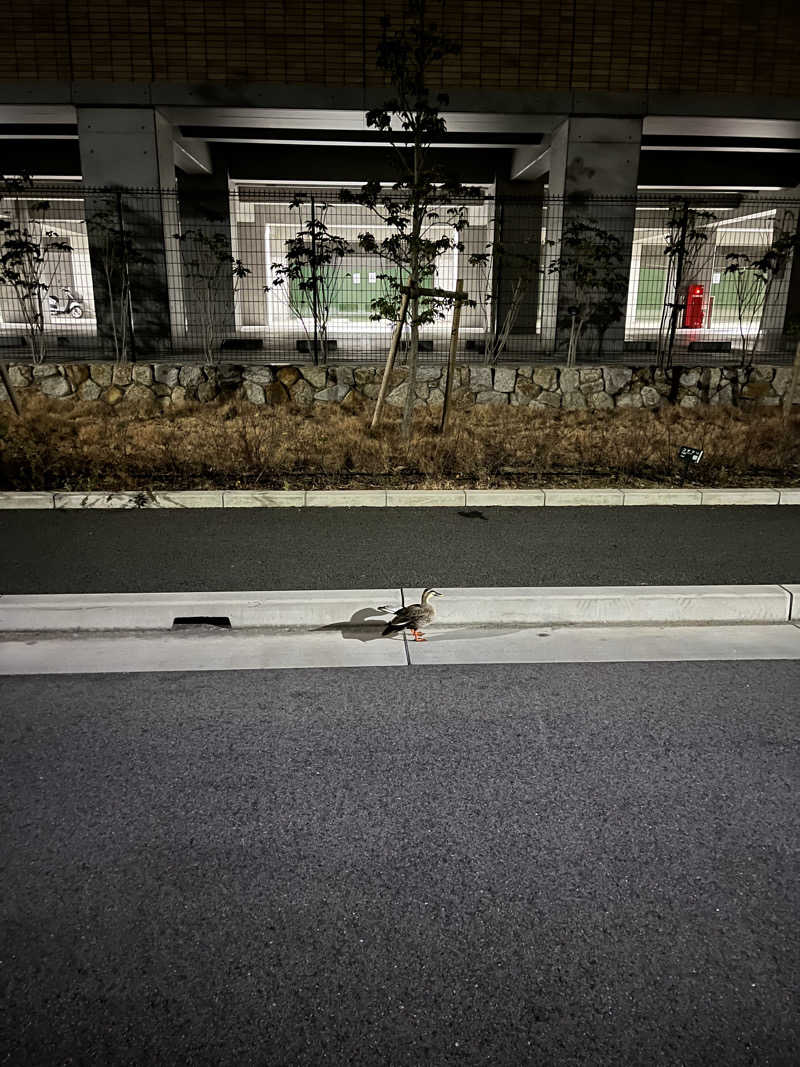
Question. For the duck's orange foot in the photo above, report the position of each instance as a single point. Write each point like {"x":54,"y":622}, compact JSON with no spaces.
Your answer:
{"x":419,"y":636}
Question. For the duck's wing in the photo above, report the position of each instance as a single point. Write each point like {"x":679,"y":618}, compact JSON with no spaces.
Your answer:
{"x":404,"y":617}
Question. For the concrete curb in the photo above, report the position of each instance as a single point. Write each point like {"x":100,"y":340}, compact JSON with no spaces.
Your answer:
{"x":393,"y":498}
{"x":338,"y":609}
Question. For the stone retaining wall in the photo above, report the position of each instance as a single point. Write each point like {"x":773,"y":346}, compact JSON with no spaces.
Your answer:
{"x":165,"y":386}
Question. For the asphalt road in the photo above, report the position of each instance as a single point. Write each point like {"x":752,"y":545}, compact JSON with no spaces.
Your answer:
{"x":376,"y":548}
{"x":547,"y":865}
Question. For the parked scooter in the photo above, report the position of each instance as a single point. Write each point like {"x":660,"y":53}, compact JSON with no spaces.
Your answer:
{"x":71,"y":306}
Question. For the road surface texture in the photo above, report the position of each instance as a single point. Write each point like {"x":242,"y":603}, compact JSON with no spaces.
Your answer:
{"x":549,"y":865}
{"x":375,"y":548}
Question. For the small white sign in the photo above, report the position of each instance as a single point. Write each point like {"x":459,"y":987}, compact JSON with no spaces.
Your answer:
{"x":373,"y":277}
{"x":715,"y":278}
{"x":356,"y":279}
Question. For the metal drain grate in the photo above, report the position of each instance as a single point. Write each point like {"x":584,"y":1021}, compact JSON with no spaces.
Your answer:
{"x":187,"y":622}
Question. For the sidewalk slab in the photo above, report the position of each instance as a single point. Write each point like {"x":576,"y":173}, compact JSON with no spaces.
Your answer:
{"x":570,"y":498}
{"x":432,"y":498}
{"x":741,"y":496}
{"x":661,"y":497}
{"x":105,"y":501}
{"x":215,"y":651}
{"x":346,"y":498}
{"x":789,"y":496}
{"x":157,"y":611}
{"x":589,"y":605}
{"x":263,"y":498}
{"x":511,"y":498}
{"x":609,"y":644}
{"x":26,"y":500}
{"x":211,"y":498}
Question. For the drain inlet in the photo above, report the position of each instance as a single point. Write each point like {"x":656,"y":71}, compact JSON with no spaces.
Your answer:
{"x":186,"y":622}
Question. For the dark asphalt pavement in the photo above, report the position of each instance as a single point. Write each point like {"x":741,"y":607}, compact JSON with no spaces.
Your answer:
{"x":545,"y":865}
{"x":377,"y":548}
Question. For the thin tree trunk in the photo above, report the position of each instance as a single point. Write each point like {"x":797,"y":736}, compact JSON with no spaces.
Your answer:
{"x":12,"y":396}
{"x":451,"y":360}
{"x":387,"y":370}
{"x":794,"y":385}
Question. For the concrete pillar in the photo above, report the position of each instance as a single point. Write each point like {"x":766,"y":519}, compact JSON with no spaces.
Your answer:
{"x":588,"y":158}
{"x":128,"y":153}
{"x":205,"y":207}
{"x":518,"y":232}
{"x":782,"y":302}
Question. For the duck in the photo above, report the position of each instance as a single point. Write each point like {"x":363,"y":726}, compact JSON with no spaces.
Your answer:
{"x":414,"y":616}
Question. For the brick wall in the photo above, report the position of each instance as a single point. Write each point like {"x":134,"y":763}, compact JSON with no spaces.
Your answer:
{"x":712,"y":46}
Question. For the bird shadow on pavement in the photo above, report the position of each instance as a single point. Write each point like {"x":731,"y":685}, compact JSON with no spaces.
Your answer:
{"x":364,"y":625}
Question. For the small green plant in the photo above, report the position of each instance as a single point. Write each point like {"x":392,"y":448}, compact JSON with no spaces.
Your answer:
{"x":30,"y":254}
{"x":753,"y":279}
{"x":523,"y":268}
{"x":688,"y":250}
{"x":594,"y":282}
{"x":310,"y":275}
{"x":209,"y":267}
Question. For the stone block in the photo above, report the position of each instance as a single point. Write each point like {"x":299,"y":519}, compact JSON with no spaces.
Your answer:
{"x":569,"y":380}
{"x":546,"y":377}
{"x":45,"y":370}
{"x":480,"y":378}
{"x":651,"y":398}
{"x":176,"y":398}
{"x":206,"y":391}
{"x":691,"y":400}
{"x":302,"y":393}
{"x":20,"y":376}
{"x":336,"y":393}
{"x":547,"y":400}
{"x":142,"y":373}
{"x":491,"y":398}
{"x":600,"y":402}
{"x":55,"y":387}
{"x":276,"y":393}
{"x":113,"y":395}
{"x":590,"y":376}
{"x":724,"y":395}
{"x":254,"y":392}
{"x":782,"y":380}
{"x":190,"y":376}
{"x":101,"y":372}
{"x":139,"y":396}
{"x":315,"y":376}
{"x":166,"y":374}
{"x":755,"y":390}
{"x":617,"y":379}
{"x":505,"y":379}
{"x":287,"y":376}
{"x":790,"y":496}
{"x":762,"y":374}
{"x":76,"y":374}
{"x":574,"y":401}
{"x":690,"y":377}
{"x":629,"y":400}
{"x":258,"y":375}
{"x":397,"y":397}
{"x":122,"y":374}
{"x":89,"y":391}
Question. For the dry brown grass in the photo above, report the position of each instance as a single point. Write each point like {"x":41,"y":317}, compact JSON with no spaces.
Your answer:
{"x":67,"y":445}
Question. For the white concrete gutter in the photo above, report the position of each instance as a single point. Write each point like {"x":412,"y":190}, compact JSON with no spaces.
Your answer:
{"x":395,"y":498}
{"x":346,"y":609}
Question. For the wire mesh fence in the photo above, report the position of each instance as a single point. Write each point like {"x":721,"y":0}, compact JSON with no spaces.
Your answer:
{"x":286,"y":275}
